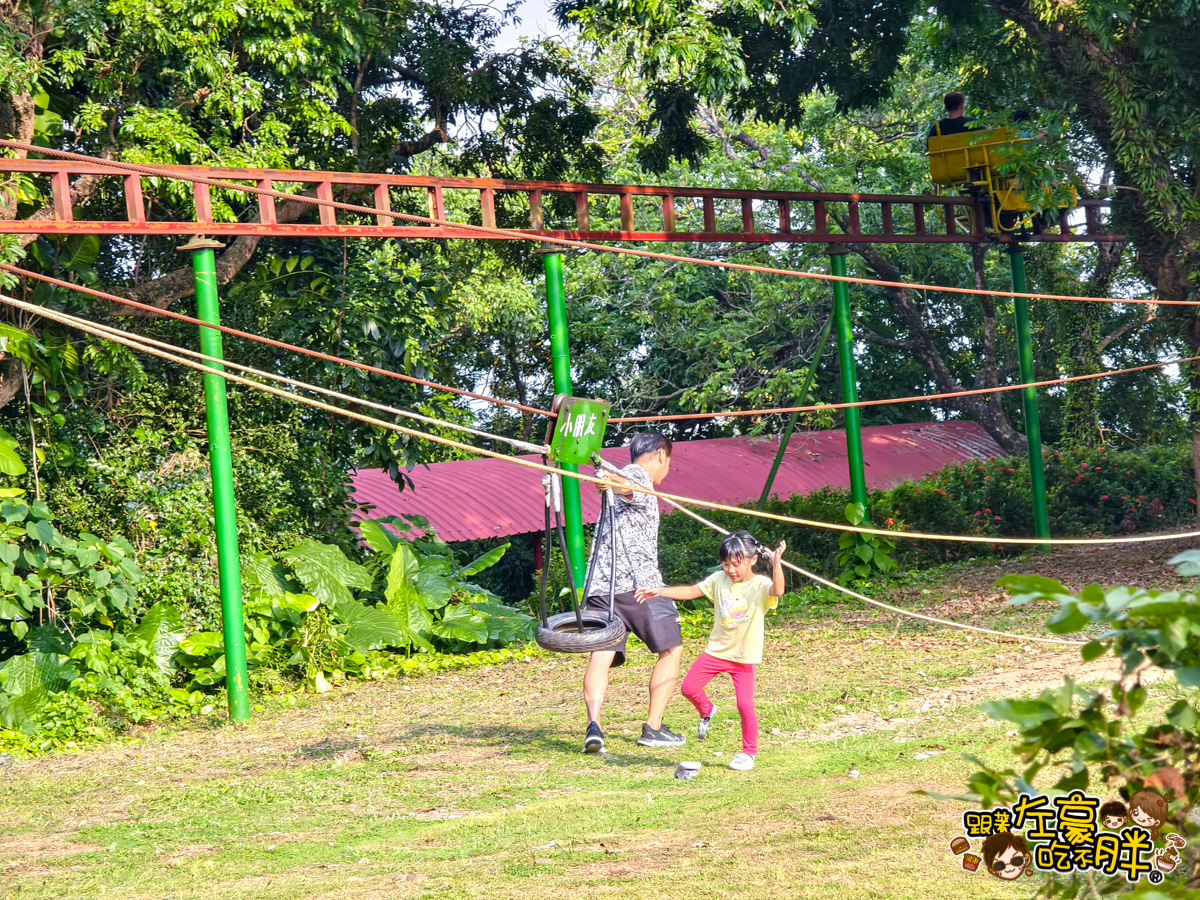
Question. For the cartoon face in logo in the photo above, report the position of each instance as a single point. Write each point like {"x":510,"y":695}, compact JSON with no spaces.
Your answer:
{"x":1149,"y":810}
{"x":735,"y":611}
{"x":1006,"y":855}
{"x":1113,"y":815}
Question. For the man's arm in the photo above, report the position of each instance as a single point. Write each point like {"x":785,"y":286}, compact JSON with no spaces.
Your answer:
{"x":618,"y":484}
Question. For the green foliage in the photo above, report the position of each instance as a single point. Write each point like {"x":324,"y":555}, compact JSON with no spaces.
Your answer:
{"x":45,"y":574}
{"x":304,"y":627}
{"x":1073,"y":737}
{"x":862,"y":555}
{"x":414,"y":599}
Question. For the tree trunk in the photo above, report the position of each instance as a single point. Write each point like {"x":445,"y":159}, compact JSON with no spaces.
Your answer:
{"x":1080,"y":324}
{"x":985,"y":409}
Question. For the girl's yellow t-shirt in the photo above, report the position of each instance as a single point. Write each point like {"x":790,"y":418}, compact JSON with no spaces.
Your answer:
{"x":738,"y":620}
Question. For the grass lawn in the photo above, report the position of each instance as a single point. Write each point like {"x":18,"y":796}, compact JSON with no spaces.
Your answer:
{"x":473,"y":784}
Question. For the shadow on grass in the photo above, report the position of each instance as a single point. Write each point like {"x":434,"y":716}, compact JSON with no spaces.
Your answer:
{"x":525,"y":741}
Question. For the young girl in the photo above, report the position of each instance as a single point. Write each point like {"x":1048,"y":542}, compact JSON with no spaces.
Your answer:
{"x":741,"y":600}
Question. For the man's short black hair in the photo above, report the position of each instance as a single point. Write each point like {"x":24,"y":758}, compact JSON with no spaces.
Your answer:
{"x":954,"y":101}
{"x":647,"y":442}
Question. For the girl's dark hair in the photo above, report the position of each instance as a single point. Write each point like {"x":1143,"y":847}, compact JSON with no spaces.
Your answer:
{"x":740,"y":545}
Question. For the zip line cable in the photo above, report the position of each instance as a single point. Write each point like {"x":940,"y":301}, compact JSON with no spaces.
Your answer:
{"x":282,"y":345}
{"x":270,"y":342}
{"x":136,"y":344}
{"x":115,"y":334}
{"x":159,"y":348}
{"x":512,"y":234}
{"x":918,"y":398}
{"x":896,"y":609}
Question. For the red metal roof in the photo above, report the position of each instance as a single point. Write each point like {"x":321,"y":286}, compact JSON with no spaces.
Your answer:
{"x":480,"y":498}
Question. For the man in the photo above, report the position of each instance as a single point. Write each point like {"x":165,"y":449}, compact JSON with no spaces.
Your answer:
{"x":954,"y":122}
{"x":655,"y":621}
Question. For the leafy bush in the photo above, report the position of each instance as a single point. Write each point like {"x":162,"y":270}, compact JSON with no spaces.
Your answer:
{"x":312,"y":616}
{"x":1091,"y":736}
{"x":861,"y":555}
{"x":46,"y":575}
{"x":303,"y":620}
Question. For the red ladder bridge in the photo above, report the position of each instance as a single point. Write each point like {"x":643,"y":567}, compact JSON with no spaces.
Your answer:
{"x":462,"y":503}
{"x":595,"y":212}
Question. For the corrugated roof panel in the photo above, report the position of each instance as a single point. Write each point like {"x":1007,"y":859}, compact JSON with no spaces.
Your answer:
{"x":479,"y":498}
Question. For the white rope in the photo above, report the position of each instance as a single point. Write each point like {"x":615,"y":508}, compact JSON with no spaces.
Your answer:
{"x":113,"y":334}
{"x":145,"y":345}
{"x":879,"y":603}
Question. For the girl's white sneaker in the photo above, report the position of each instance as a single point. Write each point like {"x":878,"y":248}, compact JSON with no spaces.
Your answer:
{"x":743,"y":762}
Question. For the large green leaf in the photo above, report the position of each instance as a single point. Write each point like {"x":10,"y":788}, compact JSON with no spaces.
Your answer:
{"x":204,"y":644}
{"x":259,"y":570}
{"x":326,"y":572}
{"x":1025,"y":713}
{"x":38,"y":671}
{"x":376,"y":627}
{"x":378,"y":537}
{"x":49,"y":639}
{"x":486,"y":561}
{"x":10,"y":463}
{"x":162,"y":630}
{"x":403,"y":597}
{"x":461,"y":623}
{"x":81,"y":251}
{"x":411,"y":563}
{"x":504,"y":623}
{"x":1186,"y":563}
{"x":435,"y":590}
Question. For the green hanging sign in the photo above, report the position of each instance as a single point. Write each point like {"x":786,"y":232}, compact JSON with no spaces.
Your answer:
{"x":578,"y":430}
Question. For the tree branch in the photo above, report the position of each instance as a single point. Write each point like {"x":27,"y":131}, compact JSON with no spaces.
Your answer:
{"x":166,"y":289}
{"x":1150,"y":315}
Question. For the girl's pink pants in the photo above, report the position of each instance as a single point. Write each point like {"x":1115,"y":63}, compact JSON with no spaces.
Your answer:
{"x":704,"y":670}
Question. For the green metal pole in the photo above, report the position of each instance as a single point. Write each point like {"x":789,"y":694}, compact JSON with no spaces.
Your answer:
{"x":560,"y":360}
{"x":1033,"y":430}
{"x":845,"y":340}
{"x":791,"y":425}
{"x":221,"y":464}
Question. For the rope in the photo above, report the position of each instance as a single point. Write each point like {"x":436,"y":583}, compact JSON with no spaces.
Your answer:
{"x":920,"y":398}
{"x":315,"y":354}
{"x":113,"y":334}
{"x":134,"y":343}
{"x":881,"y":604}
{"x":155,"y":172}
{"x":923,"y":398}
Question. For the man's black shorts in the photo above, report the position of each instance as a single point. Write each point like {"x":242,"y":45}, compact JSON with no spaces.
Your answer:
{"x":655,"y":622}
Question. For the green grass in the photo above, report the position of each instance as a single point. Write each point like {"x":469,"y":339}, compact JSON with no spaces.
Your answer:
{"x":471,"y":784}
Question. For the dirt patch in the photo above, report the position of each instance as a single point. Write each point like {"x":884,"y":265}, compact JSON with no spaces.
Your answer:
{"x":184,"y":853}
{"x":1030,"y":676}
{"x":605,"y":871}
{"x":44,"y":846}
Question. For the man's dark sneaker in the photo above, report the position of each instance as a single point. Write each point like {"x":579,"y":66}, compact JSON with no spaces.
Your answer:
{"x":594,"y":742}
{"x":705,"y":721}
{"x":661,"y":737}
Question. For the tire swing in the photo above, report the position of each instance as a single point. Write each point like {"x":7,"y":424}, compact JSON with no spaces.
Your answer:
{"x":583,"y":630}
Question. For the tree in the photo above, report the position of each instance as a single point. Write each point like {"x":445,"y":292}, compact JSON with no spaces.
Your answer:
{"x":321,"y":83}
{"x":1114,"y":77}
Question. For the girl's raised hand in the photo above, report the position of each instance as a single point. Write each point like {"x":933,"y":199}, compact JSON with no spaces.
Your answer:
{"x":777,"y":553}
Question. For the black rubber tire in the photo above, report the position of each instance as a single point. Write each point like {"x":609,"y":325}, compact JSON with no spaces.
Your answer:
{"x":562,"y":634}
